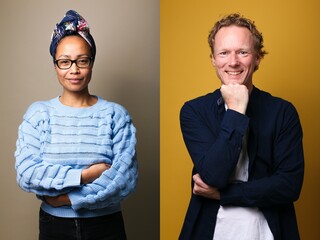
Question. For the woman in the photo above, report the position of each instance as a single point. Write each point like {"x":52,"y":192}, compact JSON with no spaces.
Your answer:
{"x":76,"y":152}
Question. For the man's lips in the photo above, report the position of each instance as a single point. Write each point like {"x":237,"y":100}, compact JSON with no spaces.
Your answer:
{"x":234,"y":73}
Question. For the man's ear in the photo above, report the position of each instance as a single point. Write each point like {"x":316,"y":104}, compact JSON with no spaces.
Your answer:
{"x":213,"y":61}
{"x":258,"y":59}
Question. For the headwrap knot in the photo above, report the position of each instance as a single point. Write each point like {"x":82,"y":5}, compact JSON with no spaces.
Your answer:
{"x":72,"y":23}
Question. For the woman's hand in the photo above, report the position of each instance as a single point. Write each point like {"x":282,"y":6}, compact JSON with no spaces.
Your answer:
{"x":93,"y":172}
{"x":58,"y":201}
{"x":87,"y":176}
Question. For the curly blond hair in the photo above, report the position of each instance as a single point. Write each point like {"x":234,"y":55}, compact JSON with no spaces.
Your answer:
{"x":240,"y":21}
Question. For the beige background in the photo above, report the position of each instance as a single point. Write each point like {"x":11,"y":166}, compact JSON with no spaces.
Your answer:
{"x":290,"y":70}
{"x":126,"y":71}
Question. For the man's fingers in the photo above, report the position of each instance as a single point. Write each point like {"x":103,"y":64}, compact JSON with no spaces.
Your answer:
{"x":198,"y":181}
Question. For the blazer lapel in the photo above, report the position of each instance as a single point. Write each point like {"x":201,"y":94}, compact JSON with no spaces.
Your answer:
{"x":253,"y":126}
{"x":220,"y":107}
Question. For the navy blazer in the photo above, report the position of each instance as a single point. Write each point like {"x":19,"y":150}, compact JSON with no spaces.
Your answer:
{"x":213,"y":137}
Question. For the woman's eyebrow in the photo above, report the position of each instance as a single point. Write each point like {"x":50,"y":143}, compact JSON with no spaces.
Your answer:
{"x":80,"y":55}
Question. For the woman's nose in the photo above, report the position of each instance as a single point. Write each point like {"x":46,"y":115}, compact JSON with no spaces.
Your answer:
{"x":74,"y":68}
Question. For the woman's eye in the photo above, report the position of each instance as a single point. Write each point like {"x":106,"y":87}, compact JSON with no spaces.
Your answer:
{"x":64,"y":62}
{"x":83,"y":61}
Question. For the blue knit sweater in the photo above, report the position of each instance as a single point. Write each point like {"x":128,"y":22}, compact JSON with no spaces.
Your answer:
{"x":57,"y":142}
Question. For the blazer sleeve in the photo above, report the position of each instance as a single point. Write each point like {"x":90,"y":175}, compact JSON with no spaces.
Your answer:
{"x":284,"y":184}
{"x":120,"y":180}
{"x":214,"y":147}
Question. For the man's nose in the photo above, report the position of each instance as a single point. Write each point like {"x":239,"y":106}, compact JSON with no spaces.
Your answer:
{"x":234,"y":59}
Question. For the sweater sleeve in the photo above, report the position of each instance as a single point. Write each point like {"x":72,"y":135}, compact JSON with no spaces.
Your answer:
{"x":33,"y":173}
{"x":120,"y":180}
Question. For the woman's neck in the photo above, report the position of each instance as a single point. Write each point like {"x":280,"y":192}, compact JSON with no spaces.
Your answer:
{"x":78,"y":100}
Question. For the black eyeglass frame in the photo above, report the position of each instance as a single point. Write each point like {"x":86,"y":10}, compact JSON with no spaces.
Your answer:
{"x":73,"y":61}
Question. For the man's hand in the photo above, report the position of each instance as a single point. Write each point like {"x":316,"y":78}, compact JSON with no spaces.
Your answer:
{"x":58,"y":201}
{"x":236,"y":97}
{"x":93,"y":172}
{"x":202,"y":189}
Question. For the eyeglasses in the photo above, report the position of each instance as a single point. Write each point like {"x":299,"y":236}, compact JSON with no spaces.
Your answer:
{"x":65,"y":64}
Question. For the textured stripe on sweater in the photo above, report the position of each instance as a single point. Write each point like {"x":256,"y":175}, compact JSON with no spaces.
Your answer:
{"x":56,"y":142}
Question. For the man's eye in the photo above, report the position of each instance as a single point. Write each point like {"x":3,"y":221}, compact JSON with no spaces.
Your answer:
{"x":222,"y":53}
{"x":243,"y":53}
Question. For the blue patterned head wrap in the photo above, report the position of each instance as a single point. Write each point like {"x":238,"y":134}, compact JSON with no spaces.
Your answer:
{"x":71,"y":24}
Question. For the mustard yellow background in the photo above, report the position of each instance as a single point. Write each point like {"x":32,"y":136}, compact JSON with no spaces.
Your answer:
{"x":126,"y":71}
{"x":290,"y":70}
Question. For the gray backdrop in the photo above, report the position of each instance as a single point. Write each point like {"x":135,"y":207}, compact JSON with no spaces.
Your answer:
{"x":126,"y":71}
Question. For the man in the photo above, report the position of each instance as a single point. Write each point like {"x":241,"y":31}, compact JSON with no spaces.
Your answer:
{"x":246,"y":147}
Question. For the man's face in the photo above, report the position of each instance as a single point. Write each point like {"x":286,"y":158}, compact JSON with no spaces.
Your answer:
{"x":234,"y":57}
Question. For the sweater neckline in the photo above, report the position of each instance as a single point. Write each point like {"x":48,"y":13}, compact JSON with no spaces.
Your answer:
{"x":59,"y":105}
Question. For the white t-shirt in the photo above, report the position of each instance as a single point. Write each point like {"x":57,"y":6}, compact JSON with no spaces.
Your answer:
{"x":240,"y":223}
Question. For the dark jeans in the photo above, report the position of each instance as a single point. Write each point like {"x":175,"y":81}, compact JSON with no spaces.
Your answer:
{"x":109,"y":227}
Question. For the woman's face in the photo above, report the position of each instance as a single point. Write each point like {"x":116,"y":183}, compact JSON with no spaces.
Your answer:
{"x":74,"y":79}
